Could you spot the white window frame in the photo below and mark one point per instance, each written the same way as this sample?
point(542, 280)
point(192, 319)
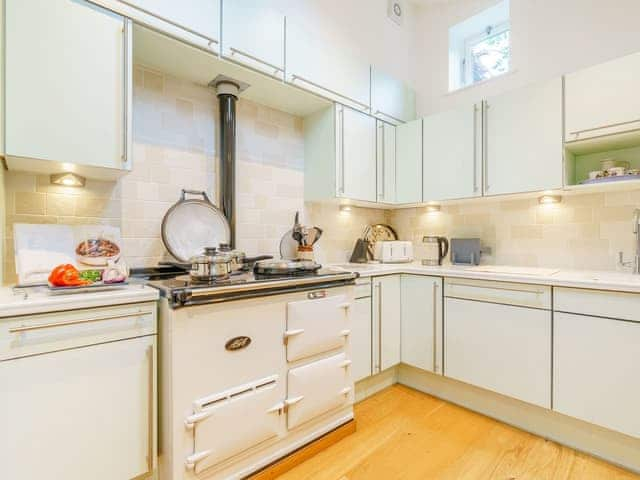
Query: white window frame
point(467, 61)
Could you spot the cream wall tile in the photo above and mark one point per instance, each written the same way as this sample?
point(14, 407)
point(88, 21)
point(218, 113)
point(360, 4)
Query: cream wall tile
point(29, 203)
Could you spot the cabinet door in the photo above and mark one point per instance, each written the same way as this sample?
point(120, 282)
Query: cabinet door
point(499, 347)
point(60, 412)
point(360, 339)
point(409, 162)
point(357, 161)
point(603, 99)
point(386, 314)
point(391, 99)
point(319, 63)
point(386, 162)
point(67, 83)
point(201, 17)
point(523, 140)
point(596, 366)
point(452, 154)
point(421, 322)
point(253, 34)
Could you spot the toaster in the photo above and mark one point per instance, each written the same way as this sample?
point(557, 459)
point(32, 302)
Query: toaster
point(394, 251)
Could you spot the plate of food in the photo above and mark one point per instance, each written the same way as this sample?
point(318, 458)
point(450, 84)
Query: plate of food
point(67, 278)
point(97, 251)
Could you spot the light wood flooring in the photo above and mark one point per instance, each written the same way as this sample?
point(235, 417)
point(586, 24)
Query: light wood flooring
point(405, 434)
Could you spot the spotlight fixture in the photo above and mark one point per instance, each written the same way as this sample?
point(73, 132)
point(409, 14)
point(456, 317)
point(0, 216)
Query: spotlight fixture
point(549, 199)
point(67, 179)
point(345, 208)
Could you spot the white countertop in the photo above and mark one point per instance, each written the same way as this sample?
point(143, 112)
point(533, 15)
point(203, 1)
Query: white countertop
point(597, 280)
point(14, 302)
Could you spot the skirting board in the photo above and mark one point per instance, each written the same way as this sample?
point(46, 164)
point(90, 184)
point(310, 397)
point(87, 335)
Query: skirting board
point(610, 446)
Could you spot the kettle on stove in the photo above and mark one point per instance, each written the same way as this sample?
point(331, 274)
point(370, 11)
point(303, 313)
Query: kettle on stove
point(436, 249)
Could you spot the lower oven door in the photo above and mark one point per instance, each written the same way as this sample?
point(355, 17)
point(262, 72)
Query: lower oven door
point(230, 422)
point(317, 388)
point(317, 325)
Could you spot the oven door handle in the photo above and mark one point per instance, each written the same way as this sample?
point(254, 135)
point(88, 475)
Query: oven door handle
point(191, 420)
point(292, 333)
point(192, 460)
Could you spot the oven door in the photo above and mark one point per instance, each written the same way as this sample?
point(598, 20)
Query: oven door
point(230, 422)
point(317, 388)
point(317, 325)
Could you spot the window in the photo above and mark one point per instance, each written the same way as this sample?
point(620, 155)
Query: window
point(480, 47)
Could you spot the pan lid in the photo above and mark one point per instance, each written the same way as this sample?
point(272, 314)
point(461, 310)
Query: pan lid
point(191, 225)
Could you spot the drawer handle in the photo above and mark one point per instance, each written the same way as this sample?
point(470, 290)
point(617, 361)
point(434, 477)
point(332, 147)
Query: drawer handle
point(191, 420)
point(535, 292)
point(29, 328)
point(191, 460)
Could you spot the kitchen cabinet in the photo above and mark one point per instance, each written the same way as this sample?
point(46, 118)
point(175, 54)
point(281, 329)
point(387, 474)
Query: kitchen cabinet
point(361, 331)
point(68, 87)
point(391, 99)
point(522, 143)
point(421, 322)
point(253, 35)
point(340, 155)
point(602, 99)
point(386, 318)
point(386, 161)
point(500, 347)
point(409, 162)
point(452, 158)
point(319, 63)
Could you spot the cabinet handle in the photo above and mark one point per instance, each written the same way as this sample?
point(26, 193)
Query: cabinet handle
point(342, 149)
point(382, 162)
point(363, 106)
point(292, 333)
point(29, 328)
point(395, 119)
point(610, 125)
point(475, 148)
point(191, 460)
point(379, 327)
point(435, 317)
point(237, 51)
point(127, 85)
point(191, 420)
point(485, 139)
point(152, 413)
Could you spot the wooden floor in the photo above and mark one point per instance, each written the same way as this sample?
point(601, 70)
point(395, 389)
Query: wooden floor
point(405, 434)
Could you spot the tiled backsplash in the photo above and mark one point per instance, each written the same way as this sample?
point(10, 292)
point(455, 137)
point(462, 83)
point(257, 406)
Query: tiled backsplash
point(583, 231)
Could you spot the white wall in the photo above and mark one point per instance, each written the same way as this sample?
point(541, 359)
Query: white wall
point(549, 38)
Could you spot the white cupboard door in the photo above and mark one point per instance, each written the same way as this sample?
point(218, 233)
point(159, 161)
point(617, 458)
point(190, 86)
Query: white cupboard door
point(360, 339)
point(319, 63)
point(499, 347)
point(253, 34)
point(198, 17)
point(386, 162)
point(452, 154)
point(523, 140)
point(603, 99)
point(596, 365)
point(357, 162)
point(391, 99)
point(421, 322)
point(317, 388)
point(67, 80)
point(386, 314)
point(72, 413)
point(317, 326)
point(409, 162)
point(233, 421)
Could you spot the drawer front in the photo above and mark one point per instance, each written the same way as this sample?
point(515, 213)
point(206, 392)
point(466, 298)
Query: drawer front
point(625, 306)
point(35, 334)
point(363, 290)
point(317, 388)
point(501, 348)
point(521, 294)
point(317, 325)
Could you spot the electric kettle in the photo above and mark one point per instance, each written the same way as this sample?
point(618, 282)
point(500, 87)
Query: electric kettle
point(436, 249)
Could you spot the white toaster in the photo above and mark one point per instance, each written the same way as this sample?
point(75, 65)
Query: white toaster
point(395, 251)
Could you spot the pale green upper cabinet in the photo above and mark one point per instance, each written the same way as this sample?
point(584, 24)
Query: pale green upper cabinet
point(391, 99)
point(386, 161)
point(195, 21)
point(523, 140)
point(452, 154)
point(409, 162)
point(68, 88)
point(318, 62)
point(253, 35)
point(340, 155)
point(603, 99)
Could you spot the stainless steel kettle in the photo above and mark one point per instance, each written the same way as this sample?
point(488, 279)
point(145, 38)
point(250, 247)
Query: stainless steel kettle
point(436, 249)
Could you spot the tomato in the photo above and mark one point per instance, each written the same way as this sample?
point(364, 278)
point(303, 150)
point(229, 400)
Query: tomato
point(66, 276)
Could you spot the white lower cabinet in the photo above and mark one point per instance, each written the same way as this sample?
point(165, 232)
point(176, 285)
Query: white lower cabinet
point(318, 387)
point(386, 322)
point(503, 348)
point(421, 322)
point(361, 333)
point(596, 365)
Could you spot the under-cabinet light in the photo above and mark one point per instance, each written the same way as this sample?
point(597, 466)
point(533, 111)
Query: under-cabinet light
point(345, 208)
point(68, 179)
point(432, 208)
point(549, 199)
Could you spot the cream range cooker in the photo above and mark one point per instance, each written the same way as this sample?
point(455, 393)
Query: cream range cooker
point(251, 370)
